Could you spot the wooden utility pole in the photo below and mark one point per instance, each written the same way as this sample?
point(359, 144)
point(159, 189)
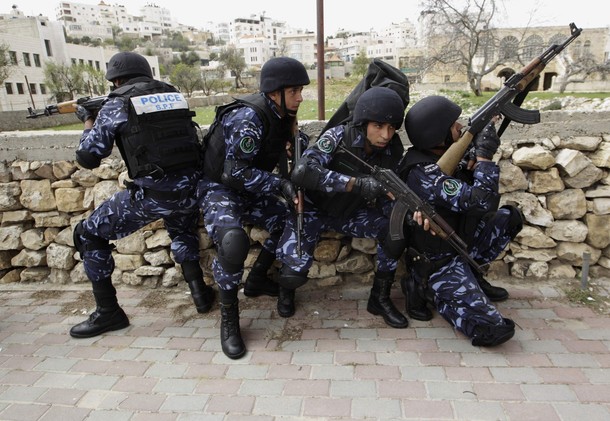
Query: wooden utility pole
point(320, 57)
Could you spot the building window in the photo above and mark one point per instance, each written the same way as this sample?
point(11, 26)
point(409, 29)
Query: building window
point(47, 45)
point(43, 89)
point(97, 64)
point(33, 88)
point(26, 60)
point(13, 57)
point(447, 78)
point(37, 60)
point(9, 88)
point(73, 61)
point(20, 90)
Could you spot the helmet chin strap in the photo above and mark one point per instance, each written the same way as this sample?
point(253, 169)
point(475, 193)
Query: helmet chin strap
point(285, 109)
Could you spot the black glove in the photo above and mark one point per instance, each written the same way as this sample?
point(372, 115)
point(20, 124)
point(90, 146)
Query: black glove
point(288, 190)
point(486, 142)
point(83, 114)
point(368, 188)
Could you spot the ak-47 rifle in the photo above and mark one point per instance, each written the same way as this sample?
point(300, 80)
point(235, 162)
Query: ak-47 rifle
point(515, 88)
point(93, 104)
point(301, 205)
point(407, 200)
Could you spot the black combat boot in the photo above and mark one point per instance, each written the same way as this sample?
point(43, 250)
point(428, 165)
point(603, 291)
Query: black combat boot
point(202, 294)
point(285, 302)
point(258, 283)
point(415, 302)
point(380, 303)
point(493, 293)
point(489, 335)
point(230, 335)
point(107, 316)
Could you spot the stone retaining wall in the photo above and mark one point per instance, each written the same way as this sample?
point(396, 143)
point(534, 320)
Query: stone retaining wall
point(558, 173)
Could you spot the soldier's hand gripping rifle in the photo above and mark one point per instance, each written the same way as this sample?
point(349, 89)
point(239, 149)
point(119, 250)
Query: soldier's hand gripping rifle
point(515, 88)
point(92, 104)
point(407, 200)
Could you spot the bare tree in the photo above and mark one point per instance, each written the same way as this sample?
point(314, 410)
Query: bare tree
point(579, 67)
point(5, 63)
point(465, 40)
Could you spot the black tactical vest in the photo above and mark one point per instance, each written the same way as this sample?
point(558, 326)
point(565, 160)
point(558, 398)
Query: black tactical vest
point(421, 240)
point(160, 136)
point(342, 204)
point(276, 132)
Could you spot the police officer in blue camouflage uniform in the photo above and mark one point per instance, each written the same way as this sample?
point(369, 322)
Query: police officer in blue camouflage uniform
point(342, 196)
point(246, 142)
point(152, 126)
point(468, 201)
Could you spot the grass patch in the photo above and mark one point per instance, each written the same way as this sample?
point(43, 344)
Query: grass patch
point(335, 92)
point(590, 297)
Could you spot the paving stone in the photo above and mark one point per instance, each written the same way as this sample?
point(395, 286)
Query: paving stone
point(346, 364)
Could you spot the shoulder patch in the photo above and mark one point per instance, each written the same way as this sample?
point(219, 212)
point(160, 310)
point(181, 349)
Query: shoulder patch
point(246, 144)
point(451, 187)
point(325, 145)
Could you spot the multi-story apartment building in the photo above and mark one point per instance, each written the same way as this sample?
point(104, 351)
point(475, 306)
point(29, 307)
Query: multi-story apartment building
point(40, 41)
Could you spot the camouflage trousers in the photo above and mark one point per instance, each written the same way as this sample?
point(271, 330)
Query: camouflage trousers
point(365, 222)
point(122, 215)
point(457, 295)
point(225, 208)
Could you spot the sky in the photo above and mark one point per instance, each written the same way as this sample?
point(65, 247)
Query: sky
point(347, 15)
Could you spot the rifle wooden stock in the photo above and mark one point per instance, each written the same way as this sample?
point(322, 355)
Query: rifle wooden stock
point(453, 155)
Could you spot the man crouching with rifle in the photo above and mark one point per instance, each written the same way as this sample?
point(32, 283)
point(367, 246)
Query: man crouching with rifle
point(469, 204)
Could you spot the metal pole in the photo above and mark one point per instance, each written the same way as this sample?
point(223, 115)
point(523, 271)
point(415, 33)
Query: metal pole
point(320, 58)
point(585, 270)
point(27, 84)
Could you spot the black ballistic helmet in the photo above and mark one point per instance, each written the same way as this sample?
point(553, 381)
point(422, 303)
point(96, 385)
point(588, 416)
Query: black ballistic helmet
point(428, 121)
point(379, 104)
point(281, 72)
point(127, 64)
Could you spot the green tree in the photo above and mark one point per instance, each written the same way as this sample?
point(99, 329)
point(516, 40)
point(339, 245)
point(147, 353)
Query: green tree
point(361, 64)
point(95, 80)
point(231, 59)
point(65, 82)
point(186, 78)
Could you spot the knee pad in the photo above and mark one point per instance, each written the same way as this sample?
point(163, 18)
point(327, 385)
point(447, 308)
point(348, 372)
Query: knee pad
point(292, 279)
point(490, 335)
point(233, 246)
point(515, 223)
point(84, 241)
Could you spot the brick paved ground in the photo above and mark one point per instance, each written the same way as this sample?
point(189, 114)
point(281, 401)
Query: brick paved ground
point(332, 360)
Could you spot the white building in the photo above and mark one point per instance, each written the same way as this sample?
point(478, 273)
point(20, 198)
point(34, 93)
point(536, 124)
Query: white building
point(39, 42)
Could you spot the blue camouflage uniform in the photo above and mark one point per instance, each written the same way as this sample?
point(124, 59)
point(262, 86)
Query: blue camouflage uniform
point(471, 209)
point(257, 201)
point(129, 210)
point(362, 220)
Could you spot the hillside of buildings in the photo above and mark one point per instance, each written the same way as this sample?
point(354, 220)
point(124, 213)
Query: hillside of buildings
point(88, 35)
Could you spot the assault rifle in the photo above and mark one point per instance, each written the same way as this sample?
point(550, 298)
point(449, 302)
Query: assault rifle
point(93, 104)
point(407, 200)
point(515, 88)
point(300, 206)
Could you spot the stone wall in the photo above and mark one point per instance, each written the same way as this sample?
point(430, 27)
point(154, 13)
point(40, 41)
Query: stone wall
point(557, 172)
